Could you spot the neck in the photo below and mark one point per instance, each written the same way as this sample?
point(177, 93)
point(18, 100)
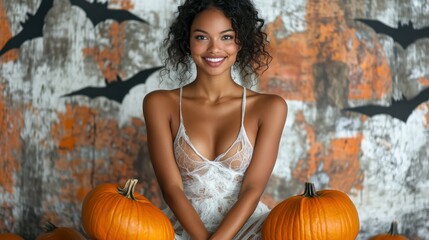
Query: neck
point(214, 88)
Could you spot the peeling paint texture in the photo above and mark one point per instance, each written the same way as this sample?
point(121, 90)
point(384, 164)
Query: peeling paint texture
point(54, 149)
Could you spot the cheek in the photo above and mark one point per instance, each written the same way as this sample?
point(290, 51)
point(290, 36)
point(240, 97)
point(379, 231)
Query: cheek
point(196, 52)
point(196, 47)
point(232, 48)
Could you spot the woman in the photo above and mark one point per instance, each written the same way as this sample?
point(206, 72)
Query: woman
point(213, 143)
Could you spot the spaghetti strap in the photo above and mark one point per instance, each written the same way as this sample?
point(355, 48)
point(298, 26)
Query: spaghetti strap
point(243, 107)
point(180, 105)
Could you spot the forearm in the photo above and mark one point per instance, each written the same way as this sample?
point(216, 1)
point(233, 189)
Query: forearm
point(186, 214)
point(237, 216)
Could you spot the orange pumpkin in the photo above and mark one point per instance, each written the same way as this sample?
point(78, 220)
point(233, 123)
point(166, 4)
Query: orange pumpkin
point(53, 232)
point(392, 234)
point(112, 212)
point(10, 236)
point(326, 214)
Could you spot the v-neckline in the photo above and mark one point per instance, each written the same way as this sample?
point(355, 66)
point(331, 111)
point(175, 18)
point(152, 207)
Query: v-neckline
point(219, 156)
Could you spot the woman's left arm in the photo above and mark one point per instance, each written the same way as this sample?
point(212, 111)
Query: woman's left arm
point(273, 112)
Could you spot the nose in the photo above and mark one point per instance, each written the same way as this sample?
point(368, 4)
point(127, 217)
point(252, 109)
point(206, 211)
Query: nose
point(215, 46)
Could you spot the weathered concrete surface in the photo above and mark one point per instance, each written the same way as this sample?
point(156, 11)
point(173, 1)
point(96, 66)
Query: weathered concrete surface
point(54, 149)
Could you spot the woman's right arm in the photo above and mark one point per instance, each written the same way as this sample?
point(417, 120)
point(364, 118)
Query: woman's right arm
point(160, 143)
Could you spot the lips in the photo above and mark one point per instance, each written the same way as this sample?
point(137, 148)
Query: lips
point(214, 61)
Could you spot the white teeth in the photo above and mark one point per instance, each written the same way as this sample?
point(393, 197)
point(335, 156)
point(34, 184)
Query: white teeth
point(214, 59)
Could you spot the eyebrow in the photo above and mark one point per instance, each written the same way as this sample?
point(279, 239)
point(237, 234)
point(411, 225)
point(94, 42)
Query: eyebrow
point(222, 32)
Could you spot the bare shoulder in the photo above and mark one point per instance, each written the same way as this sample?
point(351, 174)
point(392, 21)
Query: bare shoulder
point(159, 98)
point(160, 101)
point(269, 104)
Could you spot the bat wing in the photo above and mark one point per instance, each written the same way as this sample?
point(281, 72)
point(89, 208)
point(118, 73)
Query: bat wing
point(115, 91)
point(123, 88)
point(122, 15)
point(407, 35)
point(43, 9)
point(91, 92)
point(422, 97)
point(14, 42)
point(423, 32)
point(370, 110)
point(99, 12)
point(379, 27)
point(94, 11)
point(404, 35)
point(32, 28)
point(140, 77)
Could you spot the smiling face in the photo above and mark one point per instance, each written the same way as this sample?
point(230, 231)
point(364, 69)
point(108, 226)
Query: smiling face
point(213, 43)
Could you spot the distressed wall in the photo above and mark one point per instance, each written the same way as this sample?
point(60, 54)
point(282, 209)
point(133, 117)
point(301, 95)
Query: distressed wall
point(55, 148)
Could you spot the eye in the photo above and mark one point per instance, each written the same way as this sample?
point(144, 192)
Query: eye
point(228, 37)
point(200, 37)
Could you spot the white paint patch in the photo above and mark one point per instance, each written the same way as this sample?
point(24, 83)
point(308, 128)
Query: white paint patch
point(347, 127)
point(417, 59)
point(388, 149)
point(293, 14)
point(293, 144)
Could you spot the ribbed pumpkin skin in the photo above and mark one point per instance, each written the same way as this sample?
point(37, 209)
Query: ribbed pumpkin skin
point(392, 234)
point(10, 236)
point(107, 214)
point(331, 215)
point(61, 233)
point(388, 237)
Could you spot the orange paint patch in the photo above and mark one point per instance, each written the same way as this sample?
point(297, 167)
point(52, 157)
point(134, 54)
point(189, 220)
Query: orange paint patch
point(342, 164)
point(70, 130)
point(269, 201)
point(306, 168)
point(124, 4)
point(155, 193)
point(340, 160)
point(109, 59)
point(427, 116)
point(327, 38)
point(290, 71)
point(11, 122)
point(5, 35)
point(425, 106)
point(424, 82)
point(92, 150)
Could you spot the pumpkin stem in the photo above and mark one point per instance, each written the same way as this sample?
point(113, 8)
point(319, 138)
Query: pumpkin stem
point(128, 189)
point(309, 190)
point(393, 228)
point(49, 227)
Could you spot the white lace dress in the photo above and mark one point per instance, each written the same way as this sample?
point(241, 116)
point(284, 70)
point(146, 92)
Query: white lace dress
point(212, 186)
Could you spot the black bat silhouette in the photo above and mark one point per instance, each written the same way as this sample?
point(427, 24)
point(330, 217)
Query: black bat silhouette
point(31, 28)
point(400, 109)
point(98, 12)
point(405, 34)
point(116, 90)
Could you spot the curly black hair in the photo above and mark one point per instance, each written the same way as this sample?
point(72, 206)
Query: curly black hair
point(253, 57)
